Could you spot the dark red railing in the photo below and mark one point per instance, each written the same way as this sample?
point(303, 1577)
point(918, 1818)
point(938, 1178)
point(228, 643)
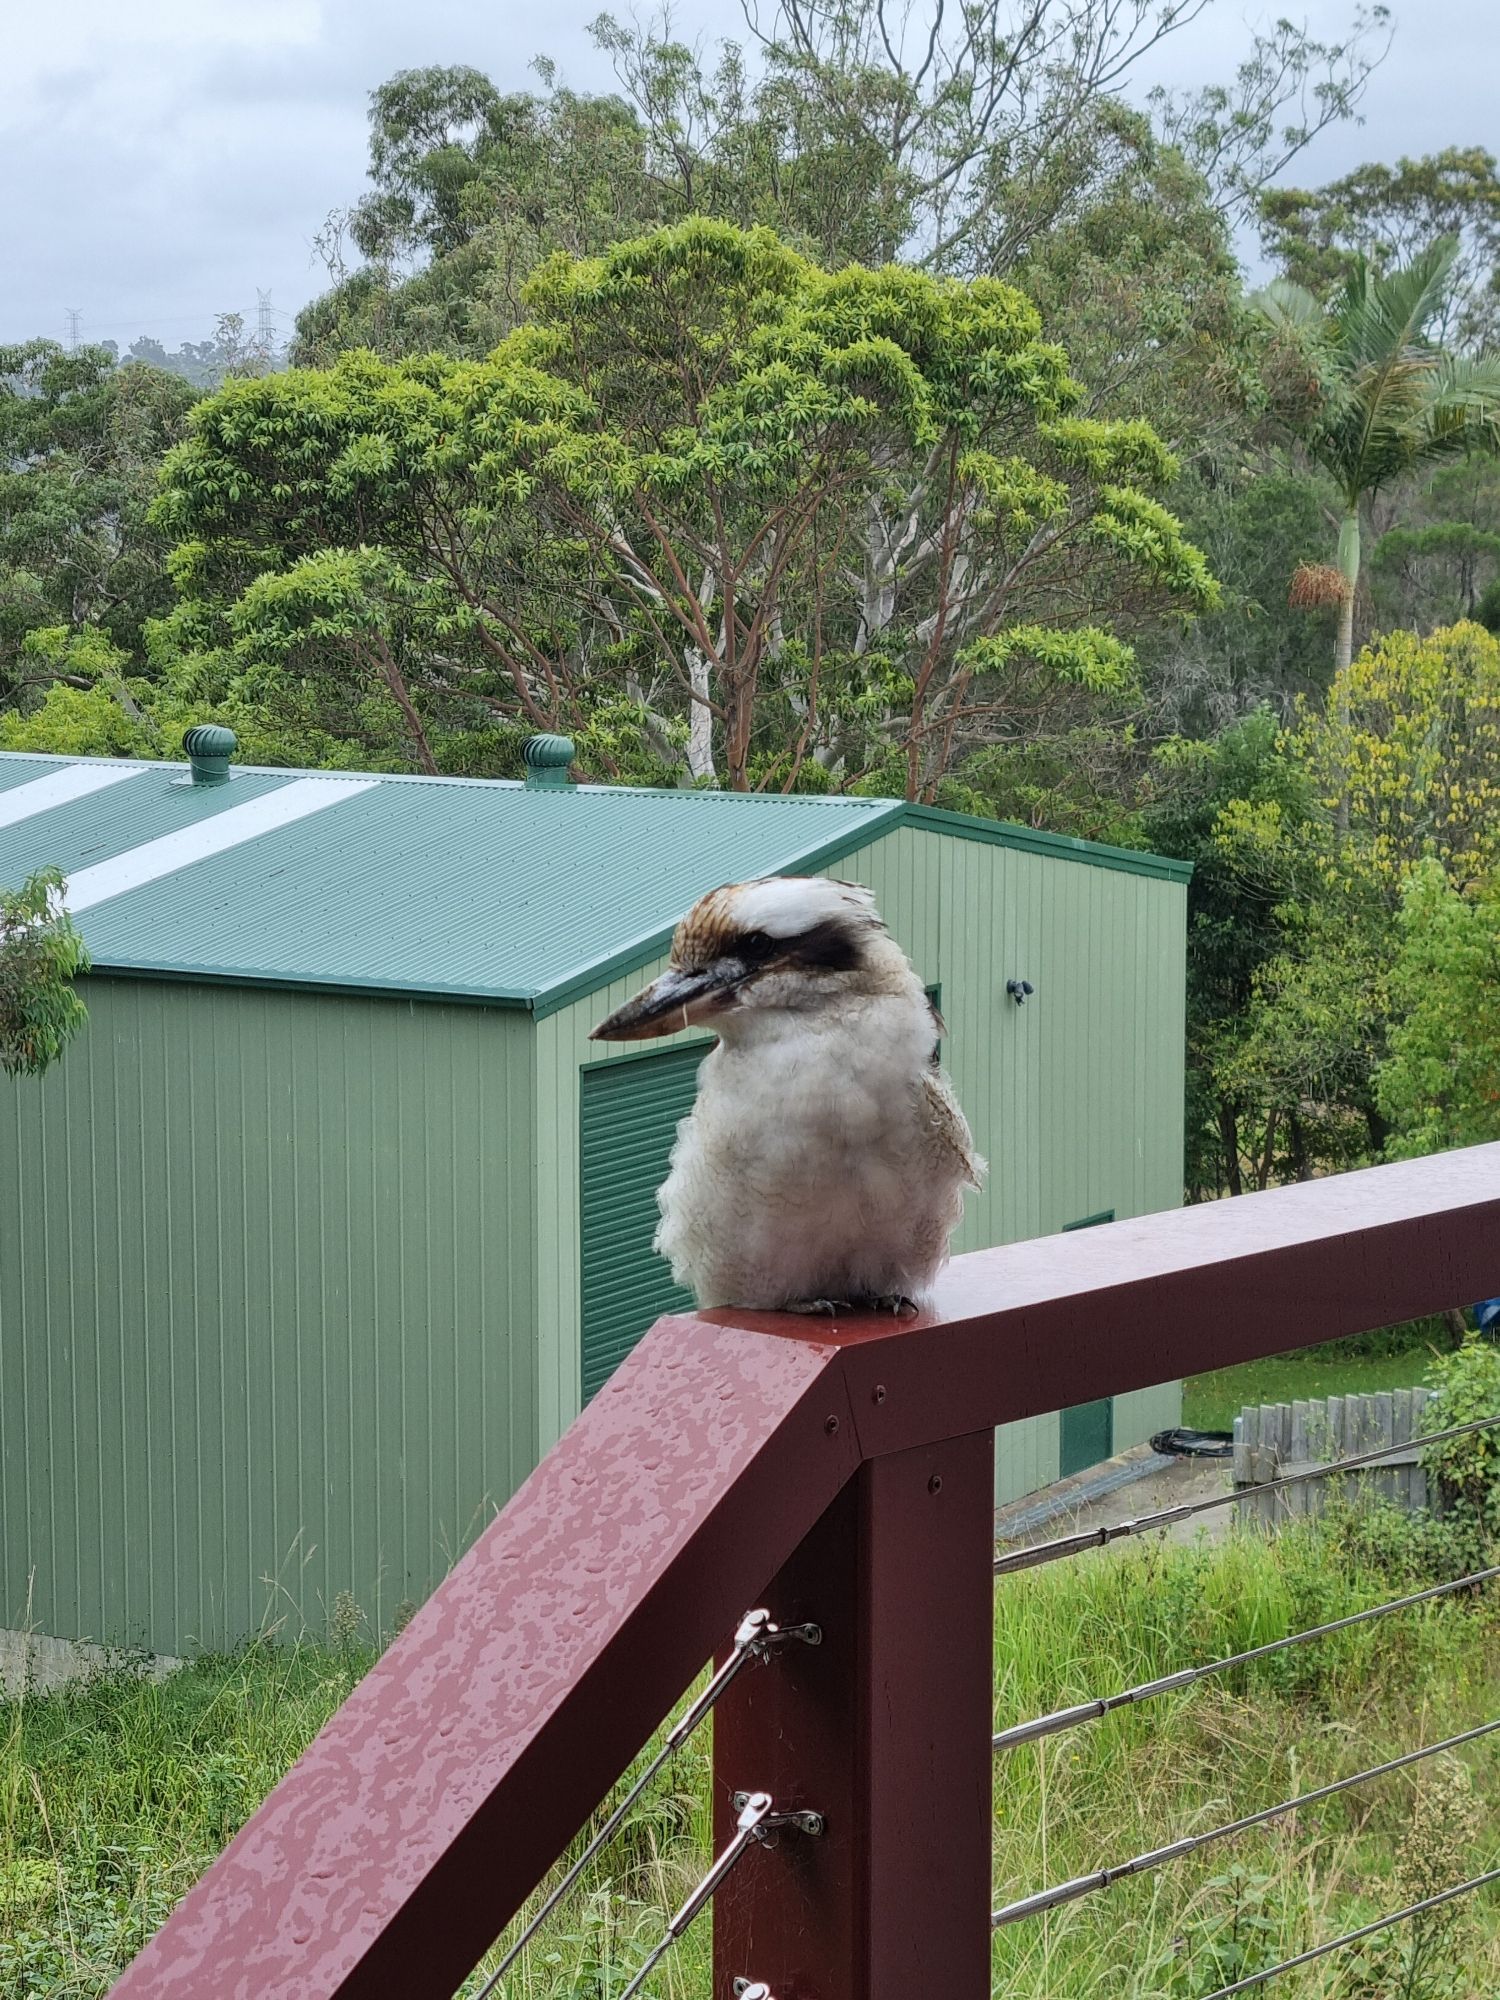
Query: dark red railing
point(839, 1472)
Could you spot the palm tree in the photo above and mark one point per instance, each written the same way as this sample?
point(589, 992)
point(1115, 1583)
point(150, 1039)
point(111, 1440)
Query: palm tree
point(1386, 398)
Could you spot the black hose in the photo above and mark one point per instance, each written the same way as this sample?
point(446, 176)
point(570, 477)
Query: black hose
point(1194, 1444)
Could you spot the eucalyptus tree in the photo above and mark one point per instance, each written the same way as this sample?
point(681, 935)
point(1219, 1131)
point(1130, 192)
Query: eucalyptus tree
point(956, 139)
point(710, 509)
point(81, 566)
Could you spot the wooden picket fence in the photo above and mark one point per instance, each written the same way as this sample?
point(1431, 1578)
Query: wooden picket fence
point(1272, 1440)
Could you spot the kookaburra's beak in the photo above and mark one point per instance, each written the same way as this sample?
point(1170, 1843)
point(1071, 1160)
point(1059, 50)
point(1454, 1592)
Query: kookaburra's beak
point(671, 1003)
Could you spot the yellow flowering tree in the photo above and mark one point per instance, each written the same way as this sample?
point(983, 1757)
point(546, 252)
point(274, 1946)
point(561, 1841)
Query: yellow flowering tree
point(1410, 734)
point(1409, 738)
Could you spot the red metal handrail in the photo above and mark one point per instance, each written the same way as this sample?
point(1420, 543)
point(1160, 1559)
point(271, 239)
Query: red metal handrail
point(837, 1471)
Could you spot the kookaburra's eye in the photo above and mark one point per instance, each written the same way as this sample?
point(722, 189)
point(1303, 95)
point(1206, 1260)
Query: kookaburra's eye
point(755, 947)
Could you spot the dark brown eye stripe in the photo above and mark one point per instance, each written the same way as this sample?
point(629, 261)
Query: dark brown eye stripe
point(827, 947)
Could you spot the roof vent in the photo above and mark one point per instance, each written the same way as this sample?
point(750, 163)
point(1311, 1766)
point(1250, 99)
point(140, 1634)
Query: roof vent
point(548, 760)
point(209, 748)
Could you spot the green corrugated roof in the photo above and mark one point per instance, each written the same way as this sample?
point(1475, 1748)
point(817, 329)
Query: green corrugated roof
point(443, 887)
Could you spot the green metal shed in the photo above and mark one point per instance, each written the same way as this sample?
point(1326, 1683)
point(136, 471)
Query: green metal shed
point(324, 1228)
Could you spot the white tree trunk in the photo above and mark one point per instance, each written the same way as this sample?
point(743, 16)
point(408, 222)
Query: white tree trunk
point(700, 746)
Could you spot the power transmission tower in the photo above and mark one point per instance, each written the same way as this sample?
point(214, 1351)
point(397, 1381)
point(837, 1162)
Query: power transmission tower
point(75, 321)
point(265, 330)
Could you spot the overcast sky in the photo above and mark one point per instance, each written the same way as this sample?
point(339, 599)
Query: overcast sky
point(165, 159)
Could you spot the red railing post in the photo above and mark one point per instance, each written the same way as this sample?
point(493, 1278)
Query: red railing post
point(884, 1729)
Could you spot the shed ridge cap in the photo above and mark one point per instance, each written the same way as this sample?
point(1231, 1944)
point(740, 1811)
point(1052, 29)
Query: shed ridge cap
point(1037, 840)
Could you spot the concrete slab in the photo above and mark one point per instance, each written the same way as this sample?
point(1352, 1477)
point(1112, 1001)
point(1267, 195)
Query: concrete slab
point(31, 1663)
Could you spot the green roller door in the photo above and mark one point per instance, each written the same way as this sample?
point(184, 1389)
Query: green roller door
point(1088, 1429)
point(630, 1113)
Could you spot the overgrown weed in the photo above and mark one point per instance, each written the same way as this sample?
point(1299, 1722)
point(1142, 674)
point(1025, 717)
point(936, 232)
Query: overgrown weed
point(116, 1792)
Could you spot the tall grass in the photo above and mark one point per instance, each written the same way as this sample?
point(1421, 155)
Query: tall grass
point(116, 1793)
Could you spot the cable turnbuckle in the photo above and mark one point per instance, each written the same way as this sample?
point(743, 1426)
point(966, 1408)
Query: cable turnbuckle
point(758, 1633)
point(769, 1823)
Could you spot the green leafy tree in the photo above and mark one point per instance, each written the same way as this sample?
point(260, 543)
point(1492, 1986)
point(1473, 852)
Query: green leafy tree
point(1440, 1085)
point(710, 507)
point(41, 954)
point(958, 142)
point(471, 190)
point(1388, 215)
point(1243, 134)
point(1256, 524)
point(1237, 807)
point(1408, 744)
point(82, 569)
point(1436, 565)
point(1371, 395)
point(1408, 741)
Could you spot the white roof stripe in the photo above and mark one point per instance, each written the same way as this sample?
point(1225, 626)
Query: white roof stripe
point(73, 781)
point(164, 856)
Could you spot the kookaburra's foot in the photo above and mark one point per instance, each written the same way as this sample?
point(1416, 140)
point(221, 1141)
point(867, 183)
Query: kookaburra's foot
point(884, 1302)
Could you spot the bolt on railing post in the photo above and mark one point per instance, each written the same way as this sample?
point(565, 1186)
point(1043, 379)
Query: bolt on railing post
point(884, 1729)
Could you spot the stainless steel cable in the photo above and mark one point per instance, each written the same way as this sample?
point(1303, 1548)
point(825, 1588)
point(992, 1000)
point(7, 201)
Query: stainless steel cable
point(756, 1637)
point(1090, 1711)
point(1354, 1937)
point(753, 1816)
point(1166, 1517)
point(1157, 1857)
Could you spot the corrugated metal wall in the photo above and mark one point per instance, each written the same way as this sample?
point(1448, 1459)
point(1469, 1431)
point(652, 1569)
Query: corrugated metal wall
point(1076, 1098)
point(563, 1049)
point(265, 1308)
point(630, 1114)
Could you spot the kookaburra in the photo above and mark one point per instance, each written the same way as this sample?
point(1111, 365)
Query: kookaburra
point(825, 1160)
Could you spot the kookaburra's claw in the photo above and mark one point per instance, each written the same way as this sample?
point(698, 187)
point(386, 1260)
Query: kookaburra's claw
point(892, 1302)
point(885, 1302)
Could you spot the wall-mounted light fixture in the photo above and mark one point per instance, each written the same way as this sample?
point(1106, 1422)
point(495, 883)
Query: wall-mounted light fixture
point(1018, 990)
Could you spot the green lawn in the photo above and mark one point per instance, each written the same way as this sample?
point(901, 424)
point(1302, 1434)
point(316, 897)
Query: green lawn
point(115, 1794)
point(1212, 1402)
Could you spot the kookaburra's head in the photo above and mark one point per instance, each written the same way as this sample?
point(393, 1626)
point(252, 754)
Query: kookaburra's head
point(788, 942)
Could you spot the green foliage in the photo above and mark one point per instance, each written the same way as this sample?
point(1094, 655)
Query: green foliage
point(1236, 808)
point(1398, 762)
point(1243, 134)
point(1369, 390)
point(40, 956)
point(1380, 394)
point(1256, 525)
point(1466, 1470)
point(1408, 745)
point(1386, 215)
point(1440, 1085)
point(710, 509)
point(1437, 566)
point(827, 126)
point(81, 442)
